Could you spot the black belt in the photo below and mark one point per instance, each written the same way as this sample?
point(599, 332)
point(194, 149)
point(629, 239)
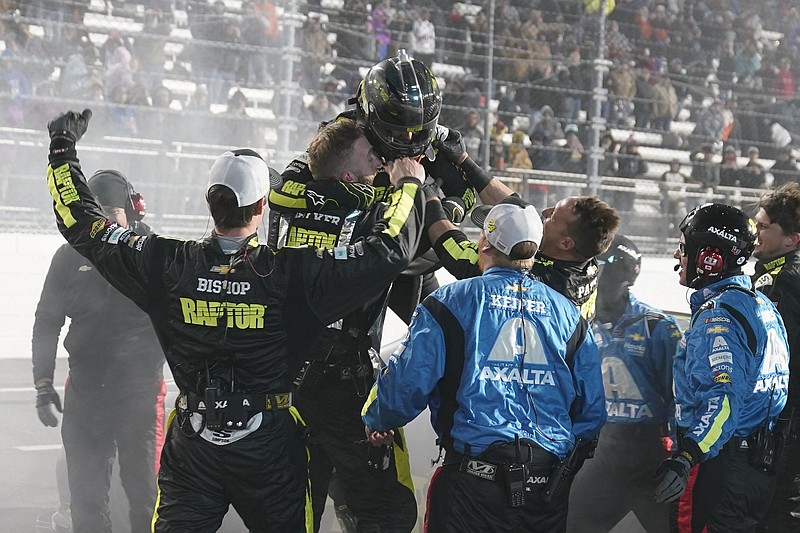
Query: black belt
point(250, 402)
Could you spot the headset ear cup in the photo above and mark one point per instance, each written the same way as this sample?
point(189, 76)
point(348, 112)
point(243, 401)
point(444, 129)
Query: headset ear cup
point(710, 261)
point(138, 207)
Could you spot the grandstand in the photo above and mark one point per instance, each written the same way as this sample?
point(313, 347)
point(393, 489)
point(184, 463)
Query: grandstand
point(684, 75)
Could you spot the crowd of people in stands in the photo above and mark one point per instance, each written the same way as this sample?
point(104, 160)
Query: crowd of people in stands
point(728, 67)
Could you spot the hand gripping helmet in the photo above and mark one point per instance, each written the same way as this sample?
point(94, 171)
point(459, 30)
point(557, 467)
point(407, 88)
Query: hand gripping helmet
point(399, 96)
point(719, 241)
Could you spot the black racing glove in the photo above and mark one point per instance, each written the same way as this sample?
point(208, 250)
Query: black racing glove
point(67, 129)
point(452, 147)
point(455, 208)
point(46, 396)
point(675, 475)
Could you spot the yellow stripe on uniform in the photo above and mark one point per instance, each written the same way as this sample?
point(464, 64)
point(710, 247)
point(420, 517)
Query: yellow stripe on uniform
point(400, 208)
point(59, 181)
point(716, 427)
point(463, 250)
point(373, 395)
point(158, 487)
point(289, 201)
point(308, 510)
point(402, 463)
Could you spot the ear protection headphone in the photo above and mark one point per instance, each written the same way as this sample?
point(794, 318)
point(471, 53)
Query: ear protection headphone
point(136, 207)
point(709, 261)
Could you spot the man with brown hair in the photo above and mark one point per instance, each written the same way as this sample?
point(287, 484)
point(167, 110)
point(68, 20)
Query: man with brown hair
point(576, 229)
point(777, 274)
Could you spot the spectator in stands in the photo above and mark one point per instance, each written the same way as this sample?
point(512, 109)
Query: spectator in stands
point(711, 122)
point(149, 45)
point(785, 168)
point(705, 171)
point(95, 92)
point(632, 166)
point(319, 109)
point(380, 20)
point(617, 45)
point(572, 158)
point(665, 102)
point(423, 38)
point(237, 129)
point(748, 63)
point(547, 126)
point(609, 165)
point(108, 49)
point(753, 173)
point(784, 84)
point(517, 152)
point(122, 118)
point(729, 170)
point(315, 43)
point(673, 195)
point(472, 133)
point(622, 90)
point(497, 156)
point(259, 28)
point(643, 108)
point(119, 71)
point(226, 57)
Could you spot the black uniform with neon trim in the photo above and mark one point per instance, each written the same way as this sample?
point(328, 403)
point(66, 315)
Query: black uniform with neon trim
point(230, 319)
point(334, 386)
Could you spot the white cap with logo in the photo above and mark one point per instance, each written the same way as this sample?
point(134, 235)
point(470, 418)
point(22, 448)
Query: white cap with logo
point(509, 223)
point(244, 173)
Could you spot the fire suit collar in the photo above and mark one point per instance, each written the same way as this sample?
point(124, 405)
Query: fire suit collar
point(213, 240)
point(701, 296)
point(791, 257)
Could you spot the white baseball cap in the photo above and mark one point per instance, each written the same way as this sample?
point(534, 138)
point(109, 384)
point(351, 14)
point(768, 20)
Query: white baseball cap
point(245, 173)
point(509, 223)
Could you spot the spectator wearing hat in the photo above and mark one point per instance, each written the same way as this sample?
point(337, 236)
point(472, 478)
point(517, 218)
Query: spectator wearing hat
point(730, 173)
point(572, 158)
point(423, 38)
point(753, 173)
point(517, 153)
point(785, 168)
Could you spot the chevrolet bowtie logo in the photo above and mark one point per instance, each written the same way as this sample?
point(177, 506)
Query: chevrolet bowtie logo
point(717, 329)
point(516, 288)
point(636, 337)
point(221, 269)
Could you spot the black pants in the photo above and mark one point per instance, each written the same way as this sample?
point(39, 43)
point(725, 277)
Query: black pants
point(98, 424)
point(787, 495)
point(725, 495)
point(382, 501)
point(618, 480)
point(459, 502)
point(263, 476)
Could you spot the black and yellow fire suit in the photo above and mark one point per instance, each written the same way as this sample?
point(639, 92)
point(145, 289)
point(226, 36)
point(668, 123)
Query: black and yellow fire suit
point(301, 192)
point(114, 397)
point(575, 280)
point(779, 279)
point(225, 323)
point(333, 388)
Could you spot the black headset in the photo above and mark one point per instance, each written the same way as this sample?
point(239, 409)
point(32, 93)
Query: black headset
point(136, 207)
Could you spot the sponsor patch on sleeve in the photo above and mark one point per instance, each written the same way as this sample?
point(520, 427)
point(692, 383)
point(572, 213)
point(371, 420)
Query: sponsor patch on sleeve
point(720, 358)
point(722, 377)
point(340, 252)
point(717, 330)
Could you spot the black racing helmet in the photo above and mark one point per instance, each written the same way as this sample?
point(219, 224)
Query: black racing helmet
point(398, 96)
point(719, 241)
point(622, 262)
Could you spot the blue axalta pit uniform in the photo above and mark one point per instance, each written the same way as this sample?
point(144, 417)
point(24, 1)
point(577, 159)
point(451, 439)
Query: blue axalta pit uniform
point(722, 388)
point(494, 357)
point(637, 353)
point(731, 375)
